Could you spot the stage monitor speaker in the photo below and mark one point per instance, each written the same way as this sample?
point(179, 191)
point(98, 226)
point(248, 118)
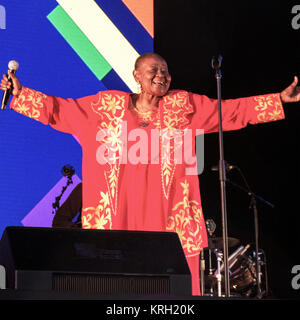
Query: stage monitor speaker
point(104, 262)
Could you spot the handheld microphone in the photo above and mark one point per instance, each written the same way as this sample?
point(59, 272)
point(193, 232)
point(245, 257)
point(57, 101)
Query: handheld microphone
point(13, 67)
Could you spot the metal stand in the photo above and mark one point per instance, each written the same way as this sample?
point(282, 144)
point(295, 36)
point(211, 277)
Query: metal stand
point(67, 171)
point(257, 263)
point(216, 65)
point(256, 227)
point(211, 228)
point(218, 274)
point(202, 270)
point(210, 272)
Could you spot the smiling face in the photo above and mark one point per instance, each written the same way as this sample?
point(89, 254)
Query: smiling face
point(153, 75)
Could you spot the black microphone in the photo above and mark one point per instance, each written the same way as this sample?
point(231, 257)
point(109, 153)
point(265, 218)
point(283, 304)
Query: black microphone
point(228, 167)
point(68, 171)
point(216, 62)
point(13, 67)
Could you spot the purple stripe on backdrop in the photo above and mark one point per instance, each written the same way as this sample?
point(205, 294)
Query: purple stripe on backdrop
point(41, 215)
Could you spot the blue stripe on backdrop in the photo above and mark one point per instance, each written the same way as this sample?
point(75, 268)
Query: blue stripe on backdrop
point(127, 23)
point(112, 80)
point(33, 154)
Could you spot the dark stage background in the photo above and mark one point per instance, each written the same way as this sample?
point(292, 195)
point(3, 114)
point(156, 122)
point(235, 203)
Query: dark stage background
point(260, 50)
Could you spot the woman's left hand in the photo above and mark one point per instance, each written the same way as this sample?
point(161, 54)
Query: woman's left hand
point(291, 93)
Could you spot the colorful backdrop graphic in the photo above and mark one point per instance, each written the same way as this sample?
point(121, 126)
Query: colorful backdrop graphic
point(67, 48)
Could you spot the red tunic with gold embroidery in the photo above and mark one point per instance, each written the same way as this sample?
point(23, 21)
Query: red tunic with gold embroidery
point(132, 179)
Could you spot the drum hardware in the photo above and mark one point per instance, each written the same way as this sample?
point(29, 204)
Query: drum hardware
point(215, 245)
point(217, 242)
point(214, 279)
point(243, 275)
point(258, 267)
point(233, 258)
point(241, 263)
point(242, 267)
point(202, 270)
point(242, 271)
point(218, 275)
point(211, 228)
point(263, 276)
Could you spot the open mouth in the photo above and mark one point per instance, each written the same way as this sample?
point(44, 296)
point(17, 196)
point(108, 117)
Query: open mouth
point(161, 83)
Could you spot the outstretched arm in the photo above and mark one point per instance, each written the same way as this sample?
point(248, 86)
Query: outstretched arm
point(236, 113)
point(66, 115)
point(291, 93)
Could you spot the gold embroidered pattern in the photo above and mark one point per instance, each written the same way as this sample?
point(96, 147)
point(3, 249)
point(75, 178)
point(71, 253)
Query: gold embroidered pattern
point(269, 108)
point(31, 97)
point(108, 106)
point(111, 109)
point(185, 219)
point(147, 117)
point(176, 108)
point(170, 142)
point(98, 217)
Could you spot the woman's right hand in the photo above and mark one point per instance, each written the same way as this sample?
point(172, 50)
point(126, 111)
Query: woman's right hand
point(6, 84)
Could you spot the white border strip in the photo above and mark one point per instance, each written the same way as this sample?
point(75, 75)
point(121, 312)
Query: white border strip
point(105, 36)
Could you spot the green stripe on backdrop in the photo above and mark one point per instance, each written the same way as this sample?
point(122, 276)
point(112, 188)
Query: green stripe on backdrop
point(79, 42)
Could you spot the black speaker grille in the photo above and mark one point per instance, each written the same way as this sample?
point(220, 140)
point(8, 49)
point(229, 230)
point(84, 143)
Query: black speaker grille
point(108, 284)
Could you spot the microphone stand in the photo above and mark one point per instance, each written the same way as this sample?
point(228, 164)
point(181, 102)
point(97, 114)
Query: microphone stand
point(256, 228)
point(216, 65)
point(67, 171)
